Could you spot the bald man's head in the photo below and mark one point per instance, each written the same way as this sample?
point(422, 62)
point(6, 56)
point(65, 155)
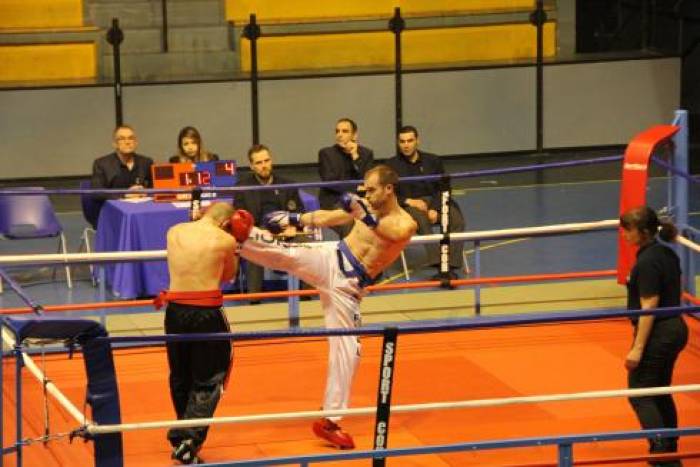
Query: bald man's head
point(219, 212)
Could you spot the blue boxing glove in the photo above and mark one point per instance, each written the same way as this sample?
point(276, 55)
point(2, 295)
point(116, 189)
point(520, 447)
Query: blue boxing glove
point(277, 221)
point(359, 209)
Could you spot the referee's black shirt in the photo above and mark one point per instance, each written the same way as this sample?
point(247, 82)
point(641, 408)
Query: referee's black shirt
point(657, 272)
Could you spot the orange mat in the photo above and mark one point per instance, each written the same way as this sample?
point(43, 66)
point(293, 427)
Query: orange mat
point(285, 376)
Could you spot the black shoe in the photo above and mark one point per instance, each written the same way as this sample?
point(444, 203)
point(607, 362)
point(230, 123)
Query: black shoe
point(254, 302)
point(452, 275)
point(186, 453)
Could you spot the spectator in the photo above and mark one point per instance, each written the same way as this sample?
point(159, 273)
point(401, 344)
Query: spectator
point(422, 199)
point(190, 147)
point(345, 160)
point(123, 168)
point(262, 202)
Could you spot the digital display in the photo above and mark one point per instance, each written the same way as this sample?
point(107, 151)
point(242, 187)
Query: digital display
point(195, 178)
point(224, 168)
point(163, 172)
point(222, 173)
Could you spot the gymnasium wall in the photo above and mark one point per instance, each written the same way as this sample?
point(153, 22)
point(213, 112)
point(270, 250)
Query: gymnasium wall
point(59, 131)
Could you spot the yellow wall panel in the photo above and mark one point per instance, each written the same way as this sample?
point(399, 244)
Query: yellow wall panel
point(446, 7)
point(475, 43)
point(320, 10)
point(316, 51)
point(41, 13)
point(36, 62)
point(424, 46)
point(304, 10)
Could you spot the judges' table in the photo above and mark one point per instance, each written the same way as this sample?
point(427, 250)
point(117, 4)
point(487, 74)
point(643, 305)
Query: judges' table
point(136, 226)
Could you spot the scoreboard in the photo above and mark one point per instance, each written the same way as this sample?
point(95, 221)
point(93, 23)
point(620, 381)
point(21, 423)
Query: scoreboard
point(187, 175)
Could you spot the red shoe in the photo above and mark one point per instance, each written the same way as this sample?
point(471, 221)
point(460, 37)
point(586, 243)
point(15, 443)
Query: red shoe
point(331, 432)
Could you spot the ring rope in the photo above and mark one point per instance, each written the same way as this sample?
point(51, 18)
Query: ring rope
point(310, 292)
point(121, 256)
point(675, 171)
point(320, 184)
point(688, 243)
point(554, 229)
point(458, 324)
point(45, 382)
point(51, 388)
point(93, 428)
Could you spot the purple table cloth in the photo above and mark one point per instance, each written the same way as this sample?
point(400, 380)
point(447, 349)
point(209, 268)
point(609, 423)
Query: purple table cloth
point(125, 226)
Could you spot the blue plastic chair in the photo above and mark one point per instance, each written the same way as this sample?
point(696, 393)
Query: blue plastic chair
point(310, 202)
point(31, 216)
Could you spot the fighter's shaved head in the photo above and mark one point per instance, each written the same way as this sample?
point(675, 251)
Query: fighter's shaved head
point(219, 211)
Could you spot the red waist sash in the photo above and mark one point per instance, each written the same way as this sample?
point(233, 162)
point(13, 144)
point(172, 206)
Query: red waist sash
point(211, 298)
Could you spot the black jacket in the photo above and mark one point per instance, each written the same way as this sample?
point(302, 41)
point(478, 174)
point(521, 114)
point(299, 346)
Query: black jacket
point(334, 165)
point(427, 164)
point(109, 172)
point(252, 200)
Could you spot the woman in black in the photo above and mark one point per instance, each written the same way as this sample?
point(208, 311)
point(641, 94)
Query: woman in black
point(654, 282)
point(190, 148)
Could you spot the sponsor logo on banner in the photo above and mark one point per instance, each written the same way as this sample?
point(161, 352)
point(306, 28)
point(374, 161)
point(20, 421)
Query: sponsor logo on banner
point(632, 166)
point(385, 386)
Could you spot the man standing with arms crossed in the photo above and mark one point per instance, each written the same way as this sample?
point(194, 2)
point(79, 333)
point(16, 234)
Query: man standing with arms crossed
point(201, 255)
point(340, 271)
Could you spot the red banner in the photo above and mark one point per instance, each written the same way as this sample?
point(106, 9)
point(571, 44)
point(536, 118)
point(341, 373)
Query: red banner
point(634, 185)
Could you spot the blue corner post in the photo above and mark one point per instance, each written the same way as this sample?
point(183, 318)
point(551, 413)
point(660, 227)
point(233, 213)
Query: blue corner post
point(680, 194)
point(102, 389)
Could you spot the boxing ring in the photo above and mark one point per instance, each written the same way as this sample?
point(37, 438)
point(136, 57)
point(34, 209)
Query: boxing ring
point(383, 395)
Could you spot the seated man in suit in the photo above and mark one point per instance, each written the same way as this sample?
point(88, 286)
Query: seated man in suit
point(122, 168)
point(422, 199)
point(261, 202)
point(345, 160)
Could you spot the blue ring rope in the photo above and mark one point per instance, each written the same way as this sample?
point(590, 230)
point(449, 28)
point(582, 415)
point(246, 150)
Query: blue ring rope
point(205, 189)
point(413, 328)
point(662, 163)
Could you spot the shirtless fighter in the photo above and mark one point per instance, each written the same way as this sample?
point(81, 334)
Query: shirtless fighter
point(201, 255)
point(340, 271)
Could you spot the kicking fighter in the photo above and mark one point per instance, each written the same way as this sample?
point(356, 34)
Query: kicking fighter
point(340, 271)
point(201, 255)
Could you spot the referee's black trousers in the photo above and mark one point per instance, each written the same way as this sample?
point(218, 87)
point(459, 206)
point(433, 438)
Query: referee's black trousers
point(668, 337)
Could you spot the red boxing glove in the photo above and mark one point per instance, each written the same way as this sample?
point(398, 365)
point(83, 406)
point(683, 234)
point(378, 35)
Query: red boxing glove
point(241, 224)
